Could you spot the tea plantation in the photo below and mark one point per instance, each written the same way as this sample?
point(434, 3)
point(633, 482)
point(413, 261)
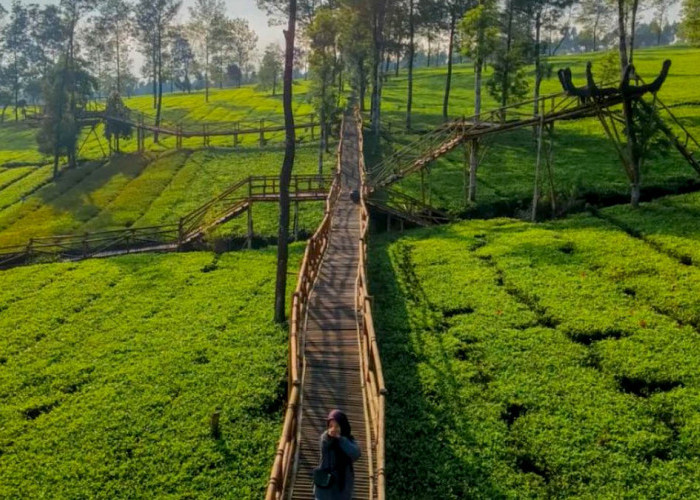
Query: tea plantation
point(141, 190)
point(111, 369)
point(543, 361)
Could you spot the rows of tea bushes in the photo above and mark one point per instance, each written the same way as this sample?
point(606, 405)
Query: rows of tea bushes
point(110, 371)
point(140, 191)
point(670, 223)
point(540, 361)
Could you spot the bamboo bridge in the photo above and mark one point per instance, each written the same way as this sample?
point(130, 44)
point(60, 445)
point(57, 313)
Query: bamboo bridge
point(333, 355)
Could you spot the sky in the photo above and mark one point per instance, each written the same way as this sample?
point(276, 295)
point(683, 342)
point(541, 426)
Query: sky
point(246, 9)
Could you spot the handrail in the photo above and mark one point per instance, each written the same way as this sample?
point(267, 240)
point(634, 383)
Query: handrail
point(372, 373)
point(310, 266)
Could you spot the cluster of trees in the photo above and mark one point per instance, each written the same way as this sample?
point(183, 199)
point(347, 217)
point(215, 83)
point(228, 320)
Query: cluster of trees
point(103, 35)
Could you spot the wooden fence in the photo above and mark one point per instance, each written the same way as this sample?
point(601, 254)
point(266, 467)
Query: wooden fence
point(311, 263)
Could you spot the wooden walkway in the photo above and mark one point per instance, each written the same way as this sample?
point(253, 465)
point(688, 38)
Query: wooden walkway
point(332, 377)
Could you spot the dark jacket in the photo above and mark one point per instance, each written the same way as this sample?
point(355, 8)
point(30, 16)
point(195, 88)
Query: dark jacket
point(329, 447)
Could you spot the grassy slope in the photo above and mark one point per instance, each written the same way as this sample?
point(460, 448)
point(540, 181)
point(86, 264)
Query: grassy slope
point(142, 191)
point(544, 365)
point(111, 369)
point(248, 104)
point(586, 165)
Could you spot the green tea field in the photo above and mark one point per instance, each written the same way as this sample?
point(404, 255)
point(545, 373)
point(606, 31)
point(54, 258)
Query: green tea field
point(139, 191)
point(111, 369)
point(557, 360)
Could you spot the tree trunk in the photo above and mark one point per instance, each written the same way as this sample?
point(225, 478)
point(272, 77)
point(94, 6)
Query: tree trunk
point(506, 69)
point(633, 158)
point(622, 36)
point(474, 149)
point(448, 83)
point(633, 28)
point(206, 74)
point(321, 146)
point(55, 162)
point(363, 84)
point(378, 27)
point(160, 88)
point(119, 72)
point(154, 61)
point(411, 55)
point(429, 48)
point(595, 31)
point(287, 165)
point(538, 69)
point(473, 166)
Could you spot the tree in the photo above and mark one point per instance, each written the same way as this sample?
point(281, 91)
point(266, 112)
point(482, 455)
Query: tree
point(112, 25)
point(16, 46)
point(205, 28)
point(5, 102)
point(323, 34)
point(479, 34)
point(117, 125)
point(455, 11)
point(355, 42)
point(542, 11)
point(270, 68)
point(287, 166)
point(690, 25)
point(243, 40)
point(595, 17)
point(67, 89)
point(182, 59)
point(153, 18)
point(508, 82)
point(234, 73)
point(48, 39)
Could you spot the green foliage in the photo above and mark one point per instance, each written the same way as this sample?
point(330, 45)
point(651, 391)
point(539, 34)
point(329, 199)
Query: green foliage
point(111, 369)
point(608, 71)
point(479, 30)
point(533, 361)
point(690, 23)
point(66, 90)
point(271, 68)
point(508, 83)
point(115, 108)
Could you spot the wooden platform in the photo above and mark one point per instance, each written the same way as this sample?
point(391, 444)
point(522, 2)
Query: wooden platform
point(331, 376)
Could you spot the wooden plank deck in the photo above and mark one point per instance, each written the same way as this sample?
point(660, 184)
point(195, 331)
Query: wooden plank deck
point(331, 376)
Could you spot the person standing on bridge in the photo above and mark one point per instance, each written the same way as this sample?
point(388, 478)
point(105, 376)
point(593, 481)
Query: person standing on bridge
point(334, 478)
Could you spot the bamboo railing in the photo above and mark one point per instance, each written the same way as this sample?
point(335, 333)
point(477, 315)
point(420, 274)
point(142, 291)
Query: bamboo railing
point(310, 266)
point(371, 365)
point(444, 138)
